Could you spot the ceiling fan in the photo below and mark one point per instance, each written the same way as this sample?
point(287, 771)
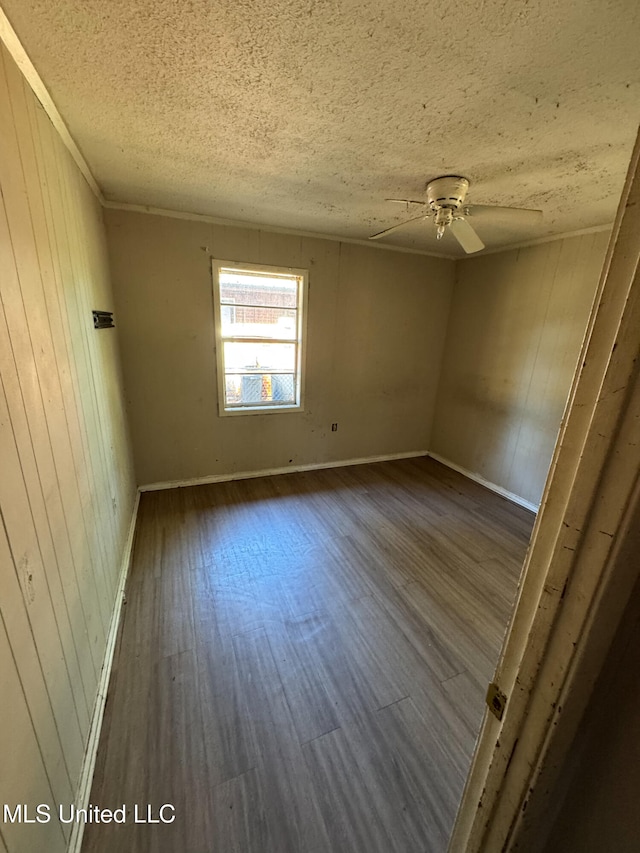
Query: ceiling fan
point(446, 205)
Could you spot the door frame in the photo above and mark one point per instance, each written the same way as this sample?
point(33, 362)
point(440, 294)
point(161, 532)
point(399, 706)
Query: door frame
point(577, 575)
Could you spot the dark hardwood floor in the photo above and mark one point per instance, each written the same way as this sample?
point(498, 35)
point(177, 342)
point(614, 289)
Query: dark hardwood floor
point(302, 661)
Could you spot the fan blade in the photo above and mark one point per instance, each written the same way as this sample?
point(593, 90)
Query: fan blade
point(406, 201)
point(466, 236)
point(518, 215)
point(400, 225)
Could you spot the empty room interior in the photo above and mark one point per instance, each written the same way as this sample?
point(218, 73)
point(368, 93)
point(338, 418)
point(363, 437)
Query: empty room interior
point(293, 301)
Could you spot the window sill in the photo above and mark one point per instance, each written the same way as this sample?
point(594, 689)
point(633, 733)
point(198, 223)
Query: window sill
point(259, 410)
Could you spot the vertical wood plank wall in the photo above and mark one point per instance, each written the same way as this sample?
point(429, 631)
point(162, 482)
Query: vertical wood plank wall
point(66, 477)
point(515, 328)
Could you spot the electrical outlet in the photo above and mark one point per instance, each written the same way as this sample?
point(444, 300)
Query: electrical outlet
point(334, 427)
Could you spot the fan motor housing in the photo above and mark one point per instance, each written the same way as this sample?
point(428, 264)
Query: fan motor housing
point(448, 191)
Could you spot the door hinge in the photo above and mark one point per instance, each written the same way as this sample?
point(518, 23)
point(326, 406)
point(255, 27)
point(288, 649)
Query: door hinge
point(496, 700)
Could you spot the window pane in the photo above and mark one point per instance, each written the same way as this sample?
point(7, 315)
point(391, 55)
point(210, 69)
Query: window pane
point(238, 288)
point(259, 357)
point(255, 389)
point(258, 322)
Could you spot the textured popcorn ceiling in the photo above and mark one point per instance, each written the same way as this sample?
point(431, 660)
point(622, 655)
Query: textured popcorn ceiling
point(306, 114)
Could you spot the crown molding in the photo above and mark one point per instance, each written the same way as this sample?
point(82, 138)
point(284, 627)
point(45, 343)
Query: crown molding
point(256, 226)
point(14, 46)
point(550, 238)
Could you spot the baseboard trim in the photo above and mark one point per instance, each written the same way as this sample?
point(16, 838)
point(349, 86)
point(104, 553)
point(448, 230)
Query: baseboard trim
point(89, 763)
point(510, 496)
point(273, 472)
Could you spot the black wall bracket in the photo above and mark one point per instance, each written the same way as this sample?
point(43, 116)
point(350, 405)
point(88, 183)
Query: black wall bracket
point(103, 320)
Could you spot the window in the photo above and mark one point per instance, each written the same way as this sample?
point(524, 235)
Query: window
point(260, 314)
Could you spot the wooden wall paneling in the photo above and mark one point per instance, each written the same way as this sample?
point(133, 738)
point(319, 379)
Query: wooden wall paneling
point(90, 551)
point(71, 285)
point(516, 352)
point(69, 624)
point(536, 309)
point(80, 300)
point(162, 283)
point(35, 596)
point(97, 254)
point(234, 244)
point(81, 211)
point(26, 404)
point(530, 438)
point(556, 361)
point(24, 778)
point(92, 265)
point(107, 366)
point(31, 335)
point(571, 300)
point(280, 250)
point(323, 260)
point(513, 339)
point(66, 484)
point(86, 475)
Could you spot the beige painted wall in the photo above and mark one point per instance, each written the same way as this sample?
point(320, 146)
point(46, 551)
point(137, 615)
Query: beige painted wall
point(516, 324)
point(376, 327)
point(66, 484)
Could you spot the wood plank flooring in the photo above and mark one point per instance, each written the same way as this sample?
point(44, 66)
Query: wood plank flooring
point(302, 661)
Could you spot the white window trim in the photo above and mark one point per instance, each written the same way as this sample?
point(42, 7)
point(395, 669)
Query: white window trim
point(303, 296)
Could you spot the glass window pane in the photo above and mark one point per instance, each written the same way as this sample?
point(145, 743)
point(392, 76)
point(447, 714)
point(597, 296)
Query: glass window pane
point(257, 389)
point(238, 288)
point(259, 357)
point(258, 322)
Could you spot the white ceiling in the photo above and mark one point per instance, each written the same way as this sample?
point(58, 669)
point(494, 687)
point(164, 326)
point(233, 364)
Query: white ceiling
point(307, 114)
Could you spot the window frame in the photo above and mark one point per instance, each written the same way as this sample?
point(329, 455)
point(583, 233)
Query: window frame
point(300, 340)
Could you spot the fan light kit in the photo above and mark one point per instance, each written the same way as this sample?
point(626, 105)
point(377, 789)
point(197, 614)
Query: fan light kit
point(446, 203)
